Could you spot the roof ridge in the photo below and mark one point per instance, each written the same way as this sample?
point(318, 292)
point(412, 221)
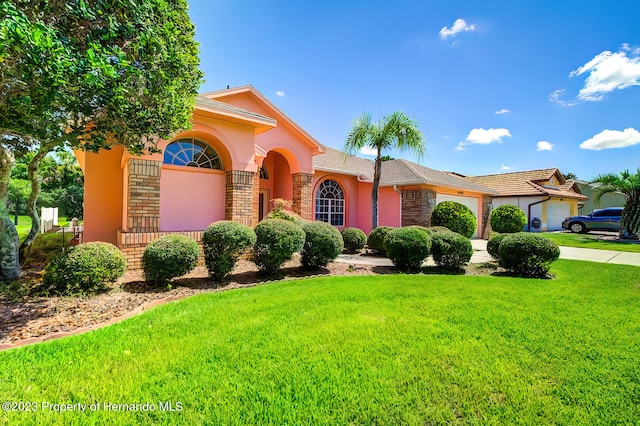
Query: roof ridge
point(513, 173)
point(537, 187)
point(409, 165)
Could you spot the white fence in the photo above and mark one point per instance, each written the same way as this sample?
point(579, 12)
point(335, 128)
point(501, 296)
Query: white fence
point(48, 218)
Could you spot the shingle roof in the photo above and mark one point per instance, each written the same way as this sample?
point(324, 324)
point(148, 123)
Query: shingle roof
point(394, 172)
point(524, 184)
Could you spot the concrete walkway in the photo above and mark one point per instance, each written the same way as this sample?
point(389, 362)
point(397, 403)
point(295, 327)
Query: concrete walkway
point(480, 255)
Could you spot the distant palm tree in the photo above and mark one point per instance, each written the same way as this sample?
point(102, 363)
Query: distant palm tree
point(627, 184)
point(396, 130)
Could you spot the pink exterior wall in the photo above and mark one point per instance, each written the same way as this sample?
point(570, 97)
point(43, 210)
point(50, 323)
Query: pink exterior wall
point(280, 176)
point(388, 207)
point(190, 198)
point(349, 185)
point(103, 195)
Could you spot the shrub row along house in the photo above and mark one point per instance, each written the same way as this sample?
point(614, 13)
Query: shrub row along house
point(241, 153)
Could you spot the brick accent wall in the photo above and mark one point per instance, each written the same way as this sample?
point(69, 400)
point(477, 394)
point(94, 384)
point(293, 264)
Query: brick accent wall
point(239, 203)
point(133, 245)
point(256, 198)
point(302, 196)
point(416, 209)
point(143, 195)
point(486, 217)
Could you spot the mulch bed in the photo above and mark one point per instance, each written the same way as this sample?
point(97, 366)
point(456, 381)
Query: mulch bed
point(37, 316)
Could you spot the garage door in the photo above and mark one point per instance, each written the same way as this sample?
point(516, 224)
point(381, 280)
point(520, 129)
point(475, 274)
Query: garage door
point(556, 212)
point(470, 202)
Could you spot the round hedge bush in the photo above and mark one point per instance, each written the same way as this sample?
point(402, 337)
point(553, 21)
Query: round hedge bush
point(169, 257)
point(322, 244)
point(222, 243)
point(456, 217)
point(276, 241)
point(493, 245)
point(84, 269)
point(508, 219)
point(375, 241)
point(354, 239)
point(436, 229)
point(527, 255)
point(451, 250)
point(407, 248)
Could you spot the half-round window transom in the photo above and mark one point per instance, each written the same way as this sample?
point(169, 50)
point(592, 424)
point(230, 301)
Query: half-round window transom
point(192, 153)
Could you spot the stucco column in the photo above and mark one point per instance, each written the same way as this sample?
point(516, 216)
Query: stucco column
point(143, 195)
point(239, 203)
point(302, 194)
point(417, 206)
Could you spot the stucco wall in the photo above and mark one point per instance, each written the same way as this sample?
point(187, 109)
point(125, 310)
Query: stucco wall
point(523, 203)
point(190, 198)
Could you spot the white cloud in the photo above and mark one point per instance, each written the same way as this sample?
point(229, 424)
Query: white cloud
point(458, 26)
point(609, 71)
point(505, 168)
point(556, 97)
point(612, 139)
point(367, 150)
point(280, 93)
point(544, 146)
point(484, 137)
point(503, 111)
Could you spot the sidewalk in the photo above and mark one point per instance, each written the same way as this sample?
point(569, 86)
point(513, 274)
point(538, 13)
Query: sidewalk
point(480, 255)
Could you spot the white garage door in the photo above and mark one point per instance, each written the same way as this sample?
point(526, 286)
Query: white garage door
point(556, 212)
point(470, 202)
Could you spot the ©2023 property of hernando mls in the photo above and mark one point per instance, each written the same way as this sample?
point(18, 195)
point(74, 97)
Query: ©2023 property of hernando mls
point(241, 153)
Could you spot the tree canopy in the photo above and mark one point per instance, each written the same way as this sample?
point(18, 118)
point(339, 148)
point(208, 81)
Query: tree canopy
point(91, 74)
point(628, 184)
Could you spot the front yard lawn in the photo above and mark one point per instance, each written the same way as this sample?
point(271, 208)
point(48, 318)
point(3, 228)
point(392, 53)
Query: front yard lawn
point(385, 349)
point(591, 241)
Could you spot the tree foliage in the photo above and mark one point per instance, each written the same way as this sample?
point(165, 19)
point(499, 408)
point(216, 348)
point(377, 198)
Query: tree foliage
point(627, 184)
point(92, 73)
point(396, 130)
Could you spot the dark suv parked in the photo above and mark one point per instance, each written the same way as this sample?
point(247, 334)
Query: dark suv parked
point(600, 220)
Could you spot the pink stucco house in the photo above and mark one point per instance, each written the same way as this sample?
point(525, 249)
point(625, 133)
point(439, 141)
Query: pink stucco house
point(241, 153)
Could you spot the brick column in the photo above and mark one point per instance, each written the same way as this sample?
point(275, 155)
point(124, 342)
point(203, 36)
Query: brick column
point(239, 205)
point(143, 195)
point(256, 197)
point(416, 207)
point(302, 194)
point(486, 217)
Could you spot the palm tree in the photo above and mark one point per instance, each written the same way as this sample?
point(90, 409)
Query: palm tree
point(627, 184)
point(396, 130)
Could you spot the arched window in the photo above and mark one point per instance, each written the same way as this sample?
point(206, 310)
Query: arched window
point(264, 173)
point(330, 203)
point(192, 153)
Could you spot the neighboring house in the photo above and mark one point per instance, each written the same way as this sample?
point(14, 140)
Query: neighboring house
point(241, 153)
point(613, 199)
point(544, 196)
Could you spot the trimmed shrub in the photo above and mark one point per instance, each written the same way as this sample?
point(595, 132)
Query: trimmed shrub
point(508, 219)
point(528, 255)
point(354, 239)
point(375, 241)
point(169, 257)
point(407, 248)
point(223, 241)
point(420, 228)
point(322, 244)
point(84, 269)
point(456, 217)
point(283, 209)
point(437, 229)
point(493, 245)
point(277, 240)
point(451, 250)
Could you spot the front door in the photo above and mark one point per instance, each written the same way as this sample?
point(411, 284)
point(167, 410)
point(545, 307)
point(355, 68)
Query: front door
point(263, 204)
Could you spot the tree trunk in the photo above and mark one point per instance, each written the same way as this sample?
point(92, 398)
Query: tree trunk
point(630, 220)
point(9, 240)
point(32, 207)
point(374, 191)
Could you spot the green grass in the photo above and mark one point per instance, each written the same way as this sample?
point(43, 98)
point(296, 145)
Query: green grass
point(591, 241)
point(24, 225)
point(386, 349)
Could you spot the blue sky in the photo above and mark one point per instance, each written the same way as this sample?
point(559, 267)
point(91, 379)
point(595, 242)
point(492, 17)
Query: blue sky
point(495, 85)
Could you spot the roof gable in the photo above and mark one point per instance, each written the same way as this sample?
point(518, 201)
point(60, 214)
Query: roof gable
point(248, 97)
point(528, 183)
